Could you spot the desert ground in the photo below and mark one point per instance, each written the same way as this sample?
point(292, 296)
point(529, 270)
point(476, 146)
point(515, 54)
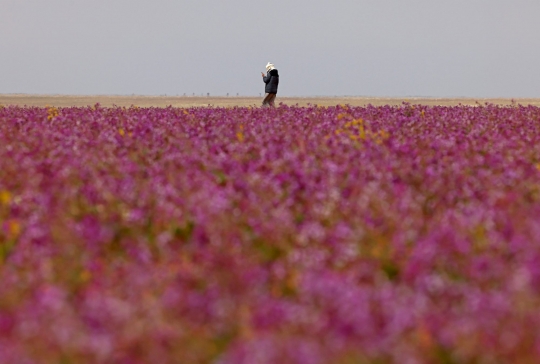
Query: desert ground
point(189, 101)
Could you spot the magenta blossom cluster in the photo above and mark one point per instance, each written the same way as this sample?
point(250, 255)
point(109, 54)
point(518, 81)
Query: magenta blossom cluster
point(305, 235)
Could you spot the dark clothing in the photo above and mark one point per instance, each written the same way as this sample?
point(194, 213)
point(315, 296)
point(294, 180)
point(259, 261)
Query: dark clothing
point(269, 100)
point(272, 80)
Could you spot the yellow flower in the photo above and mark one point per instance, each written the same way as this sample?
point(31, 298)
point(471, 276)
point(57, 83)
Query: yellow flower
point(240, 136)
point(362, 133)
point(14, 228)
point(52, 112)
point(85, 275)
point(5, 197)
point(121, 132)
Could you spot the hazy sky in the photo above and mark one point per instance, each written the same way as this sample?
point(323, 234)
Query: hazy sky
point(476, 48)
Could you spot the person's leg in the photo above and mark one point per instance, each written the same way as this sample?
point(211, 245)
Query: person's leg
point(266, 100)
point(272, 99)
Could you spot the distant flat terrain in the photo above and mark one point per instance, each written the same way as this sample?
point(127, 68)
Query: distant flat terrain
point(189, 101)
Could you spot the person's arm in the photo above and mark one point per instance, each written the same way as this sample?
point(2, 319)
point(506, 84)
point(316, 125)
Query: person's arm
point(266, 79)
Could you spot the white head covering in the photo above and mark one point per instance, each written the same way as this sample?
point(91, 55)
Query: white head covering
point(269, 67)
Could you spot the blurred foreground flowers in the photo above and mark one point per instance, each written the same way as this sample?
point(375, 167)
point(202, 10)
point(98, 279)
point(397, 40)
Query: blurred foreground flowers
point(294, 235)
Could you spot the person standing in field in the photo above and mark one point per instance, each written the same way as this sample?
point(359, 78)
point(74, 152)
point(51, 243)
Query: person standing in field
point(271, 80)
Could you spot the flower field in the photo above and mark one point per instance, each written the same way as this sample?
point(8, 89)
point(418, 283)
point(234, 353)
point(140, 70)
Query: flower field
point(394, 234)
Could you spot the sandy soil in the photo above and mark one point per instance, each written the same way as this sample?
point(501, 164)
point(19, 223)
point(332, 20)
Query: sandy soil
point(183, 101)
